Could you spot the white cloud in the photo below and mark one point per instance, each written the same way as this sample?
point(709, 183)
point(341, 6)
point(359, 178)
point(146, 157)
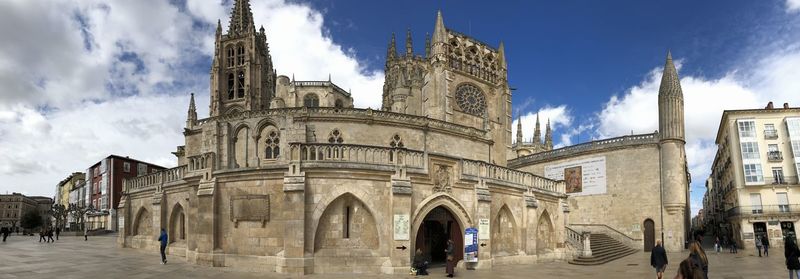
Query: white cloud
point(773, 78)
point(85, 79)
point(793, 5)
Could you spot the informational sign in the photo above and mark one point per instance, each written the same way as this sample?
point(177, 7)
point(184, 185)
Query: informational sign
point(471, 245)
point(483, 229)
point(401, 227)
point(582, 177)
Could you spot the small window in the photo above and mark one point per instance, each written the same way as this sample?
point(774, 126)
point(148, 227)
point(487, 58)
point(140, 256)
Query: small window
point(338, 103)
point(141, 169)
point(272, 148)
point(240, 55)
point(346, 223)
point(311, 101)
point(231, 86)
point(335, 137)
point(240, 88)
point(231, 55)
point(126, 167)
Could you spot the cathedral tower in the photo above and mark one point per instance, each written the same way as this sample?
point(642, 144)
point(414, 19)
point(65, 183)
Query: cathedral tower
point(242, 74)
point(674, 174)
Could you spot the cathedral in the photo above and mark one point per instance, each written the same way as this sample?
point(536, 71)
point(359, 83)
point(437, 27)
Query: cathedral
point(287, 176)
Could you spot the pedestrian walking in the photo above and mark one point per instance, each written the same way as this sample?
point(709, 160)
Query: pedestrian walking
point(50, 236)
point(699, 258)
point(42, 233)
point(163, 239)
point(734, 247)
point(58, 231)
point(758, 245)
point(716, 244)
point(687, 270)
point(658, 259)
point(450, 260)
point(4, 231)
point(85, 233)
point(792, 262)
point(765, 243)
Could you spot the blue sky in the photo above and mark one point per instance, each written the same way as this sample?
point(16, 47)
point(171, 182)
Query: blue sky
point(114, 76)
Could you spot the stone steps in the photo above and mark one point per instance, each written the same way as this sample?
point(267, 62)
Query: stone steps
point(604, 249)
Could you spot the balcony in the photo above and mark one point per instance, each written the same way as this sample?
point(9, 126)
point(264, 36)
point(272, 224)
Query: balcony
point(764, 210)
point(770, 134)
point(774, 156)
point(768, 180)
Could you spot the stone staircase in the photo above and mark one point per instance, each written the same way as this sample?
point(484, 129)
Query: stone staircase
point(604, 249)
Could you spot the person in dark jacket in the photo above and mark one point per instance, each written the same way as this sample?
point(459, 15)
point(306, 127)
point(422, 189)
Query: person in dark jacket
point(658, 259)
point(698, 257)
point(450, 269)
point(688, 270)
point(163, 239)
point(765, 243)
point(792, 262)
point(50, 236)
point(421, 265)
point(58, 232)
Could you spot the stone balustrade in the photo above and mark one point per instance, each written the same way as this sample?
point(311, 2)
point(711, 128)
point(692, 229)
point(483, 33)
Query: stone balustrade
point(522, 178)
point(586, 147)
point(153, 180)
point(201, 162)
point(580, 241)
point(377, 155)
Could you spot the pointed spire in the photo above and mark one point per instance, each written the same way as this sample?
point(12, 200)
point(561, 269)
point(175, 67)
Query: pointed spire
point(537, 132)
point(439, 32)
point(219, 27)
point(391, 53)
point(261, 30)
point(427, 45)
point(501, 53)
point(241, 18)
point(548, 136)
point(191, 117)
point(519, 128)
point(670, 83)
point(409, 47)
point(329, 77)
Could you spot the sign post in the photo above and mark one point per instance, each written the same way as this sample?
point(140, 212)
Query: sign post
point(471, 246)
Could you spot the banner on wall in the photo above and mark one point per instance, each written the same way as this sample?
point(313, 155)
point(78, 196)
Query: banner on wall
point(582, 177)
point(471, 245)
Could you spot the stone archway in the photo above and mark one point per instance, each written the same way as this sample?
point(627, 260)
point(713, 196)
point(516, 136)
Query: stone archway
point(143, 223)
point(177, 224)
point(436, 228)
point(545, 242)
point(504, 233)
point(455, 221)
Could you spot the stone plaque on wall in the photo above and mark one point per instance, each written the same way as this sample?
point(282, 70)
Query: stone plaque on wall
point(250, 208)
point(483, 229)
point(401, 227)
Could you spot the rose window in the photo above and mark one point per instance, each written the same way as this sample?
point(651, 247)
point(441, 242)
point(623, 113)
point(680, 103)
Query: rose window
point(470, 99)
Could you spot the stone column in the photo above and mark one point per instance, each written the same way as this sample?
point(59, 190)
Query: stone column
point(532, 217)
point(484, 211)
point(401, 216)
point(294, 260)
point(208, 251)
point(124, 225)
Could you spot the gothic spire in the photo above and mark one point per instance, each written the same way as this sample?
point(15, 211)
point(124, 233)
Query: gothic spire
point(439, 32)
point(191, 117)
point(670, 83)
point(548, 136)
point(391, 53)
point(519, 128)
point(409, 47)
point(427, 45)
point(501, 53)
point(537, 132)
point(219, 28)
point(241, 18)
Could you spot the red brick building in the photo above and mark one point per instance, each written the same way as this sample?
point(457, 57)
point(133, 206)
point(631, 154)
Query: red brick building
point(104, 182)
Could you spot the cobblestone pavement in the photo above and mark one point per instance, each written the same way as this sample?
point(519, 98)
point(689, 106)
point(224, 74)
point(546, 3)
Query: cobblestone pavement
point(71, 257)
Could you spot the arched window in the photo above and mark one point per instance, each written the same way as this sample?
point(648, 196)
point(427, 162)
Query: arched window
point(240, 87)
point(273, 151)
point(231, 86)
point(311, 101)
point(231, 54)
point(338, 103)
point(240, 55)
point(335, 137)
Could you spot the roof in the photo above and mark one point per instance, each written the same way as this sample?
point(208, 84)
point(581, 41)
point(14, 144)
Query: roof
point(127, 159)
point(727, 113)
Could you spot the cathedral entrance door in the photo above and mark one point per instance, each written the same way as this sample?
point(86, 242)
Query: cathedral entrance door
point(437, 227)
point(649, 235)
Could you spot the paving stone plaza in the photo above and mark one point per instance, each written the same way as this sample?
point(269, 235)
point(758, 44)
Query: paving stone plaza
point(71, 257)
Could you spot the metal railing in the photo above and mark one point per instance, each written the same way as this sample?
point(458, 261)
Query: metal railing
point(770, 134)
point(763, 210)
point(774, 156)
point(778, 180)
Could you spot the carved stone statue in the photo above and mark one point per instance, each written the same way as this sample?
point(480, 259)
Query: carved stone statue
point(441, 180)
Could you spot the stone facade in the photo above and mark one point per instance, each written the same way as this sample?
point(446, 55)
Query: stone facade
point(313, 185)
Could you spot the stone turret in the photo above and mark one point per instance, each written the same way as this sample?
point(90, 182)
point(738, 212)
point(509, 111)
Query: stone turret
point(537, 132)
point(519, 129)
point(241, 18)
point(391, 52)
point(427, 45)
point(548, 136)
point(674, 176)
point(191, 117)
point(409, 45)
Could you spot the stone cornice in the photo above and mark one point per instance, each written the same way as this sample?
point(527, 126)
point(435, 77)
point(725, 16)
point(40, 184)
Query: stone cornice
point(585, 148)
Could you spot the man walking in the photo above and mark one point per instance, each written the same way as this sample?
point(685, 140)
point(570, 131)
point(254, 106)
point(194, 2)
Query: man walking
point(58, 231)
point(163, 239)
point(765, 243)
point(758, 245)
point(4, 231)
point(85, 233)
point(658, 259)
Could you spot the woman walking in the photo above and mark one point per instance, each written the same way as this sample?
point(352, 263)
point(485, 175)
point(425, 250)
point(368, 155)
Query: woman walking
point(699, 259)
point(450, 260)
point(792, 262)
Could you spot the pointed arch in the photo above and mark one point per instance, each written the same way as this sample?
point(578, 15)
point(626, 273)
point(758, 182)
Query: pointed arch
point(505, 235)
point(545, 234)
point(177, 224)
point(142, 223)
point(335, 193)
point(346, 222)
